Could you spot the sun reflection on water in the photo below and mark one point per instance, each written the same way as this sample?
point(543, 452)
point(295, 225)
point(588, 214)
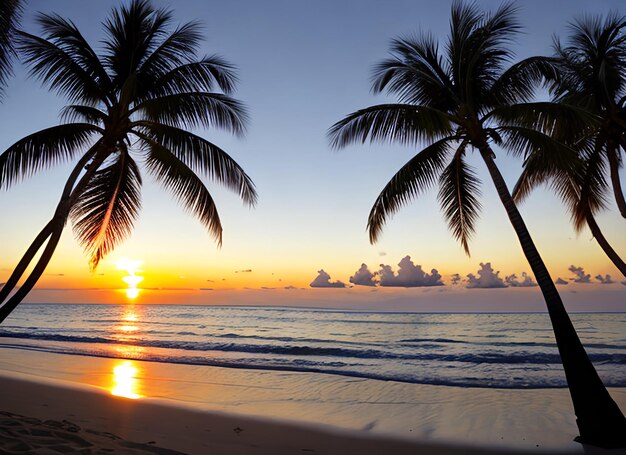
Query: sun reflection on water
point(125, 382)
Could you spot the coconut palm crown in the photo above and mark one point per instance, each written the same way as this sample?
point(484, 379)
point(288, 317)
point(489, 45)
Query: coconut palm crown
point(464, 97)
point(133, 103)
point(589, 74)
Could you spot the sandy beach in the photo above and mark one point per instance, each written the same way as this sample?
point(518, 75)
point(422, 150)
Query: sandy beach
point(65, 401)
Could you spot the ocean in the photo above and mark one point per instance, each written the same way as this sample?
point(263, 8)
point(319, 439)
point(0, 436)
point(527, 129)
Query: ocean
point(467, 350)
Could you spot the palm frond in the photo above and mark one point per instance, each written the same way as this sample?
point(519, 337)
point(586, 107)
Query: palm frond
point(593, 184)
point(593, 62)
point(65, 35)
point(106, 210)
point(43, 149)
point(82, 113)
point(522, 142)
point(465, 17)
point(201, 76)
point(401, 123)
point(10, 14)
point(563, 121)
point(58, 70)
point(185, 185)
point(479, 47)
point(459, 192)
point(417, 175)
point(486, 52)
point(201, 156)
point(416, 74)
point(177, 49)
point(133, 33)
point(518, 83)
point(196, 109)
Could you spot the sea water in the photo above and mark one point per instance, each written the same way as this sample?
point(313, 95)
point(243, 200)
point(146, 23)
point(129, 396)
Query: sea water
point(468, 350)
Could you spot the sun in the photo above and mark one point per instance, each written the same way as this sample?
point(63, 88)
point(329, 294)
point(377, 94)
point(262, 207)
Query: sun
point(132, 280)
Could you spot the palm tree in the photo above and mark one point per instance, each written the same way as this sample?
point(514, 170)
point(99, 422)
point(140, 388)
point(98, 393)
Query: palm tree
point(136, 99)
point(10, 11)
point(591, 75)
point(466, 99)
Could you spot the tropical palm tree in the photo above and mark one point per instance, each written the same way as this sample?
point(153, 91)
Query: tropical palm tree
point(465, 99)
point(136, 99)
point(10, 11)
point(591, 75)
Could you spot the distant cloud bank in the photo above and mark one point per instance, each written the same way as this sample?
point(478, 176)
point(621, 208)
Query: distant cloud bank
point(363, 277)
point(322, 280)
point(409, 275)
point(527, 281)
point(606, 279)
point(580, 276)
point(486, 278)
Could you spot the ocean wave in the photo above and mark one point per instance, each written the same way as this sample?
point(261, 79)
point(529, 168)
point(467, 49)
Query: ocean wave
point(335, 368)
point(481, 357)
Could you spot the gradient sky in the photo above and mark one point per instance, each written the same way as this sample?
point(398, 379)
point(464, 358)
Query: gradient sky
point(303, 66)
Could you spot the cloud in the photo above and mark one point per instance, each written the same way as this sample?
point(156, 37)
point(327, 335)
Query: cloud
point(624, 283)
point(527, 281)
point(290, 288)
point(455, 279)
point(206, 289)
point(606, 279)
point(561, 281)
point(243, 271)
point(267, 288)
point(486, 278)
point(382, 253)
point(363, 277)
point(409, 275)
point(580, 275)
point(55, 274)
point(210, 281)
point(322, 280)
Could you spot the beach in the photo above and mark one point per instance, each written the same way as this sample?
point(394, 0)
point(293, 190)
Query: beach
point(202, 409)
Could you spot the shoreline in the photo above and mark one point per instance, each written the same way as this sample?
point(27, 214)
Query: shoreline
point(377, 416)
point(151, 426)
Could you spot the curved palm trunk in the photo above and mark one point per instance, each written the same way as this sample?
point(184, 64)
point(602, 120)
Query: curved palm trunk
point(599, 419)
point(34, 276)
point(605, 245)
point(56, 226)
point(615, 180)
point(47, 231)
point(25, 261)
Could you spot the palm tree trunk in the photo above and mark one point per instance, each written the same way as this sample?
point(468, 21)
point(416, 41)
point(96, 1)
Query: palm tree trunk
point(615, 180)
point(604, 244)
point(47, 231)
point(58, 223)
point(25, 261)
point(599, 419)
point(41, 265)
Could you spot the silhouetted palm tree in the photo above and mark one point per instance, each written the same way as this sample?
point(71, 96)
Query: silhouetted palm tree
point(466, 99)
point(10, 11)
point(134, 100)
point(591, 75)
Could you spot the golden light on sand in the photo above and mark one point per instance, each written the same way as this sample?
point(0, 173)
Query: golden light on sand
point(132, 280)
point(125, 382)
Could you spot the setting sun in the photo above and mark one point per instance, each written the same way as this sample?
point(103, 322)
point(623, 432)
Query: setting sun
point(132, 280)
